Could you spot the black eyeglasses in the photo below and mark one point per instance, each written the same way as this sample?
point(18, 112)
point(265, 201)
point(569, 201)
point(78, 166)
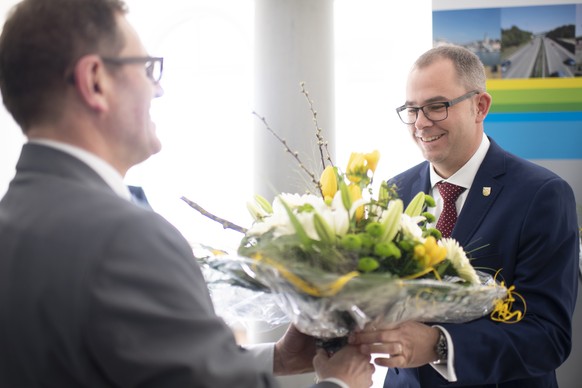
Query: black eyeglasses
point(435, 111)
point(154, 66)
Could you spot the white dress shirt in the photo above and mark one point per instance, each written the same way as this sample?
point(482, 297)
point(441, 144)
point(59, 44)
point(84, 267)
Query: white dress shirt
point(464, 177)
point(100, 166)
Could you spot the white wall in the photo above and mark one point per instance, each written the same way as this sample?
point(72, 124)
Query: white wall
point(11, 137)
point(376, 44)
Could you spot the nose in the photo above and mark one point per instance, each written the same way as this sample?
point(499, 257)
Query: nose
point(159, 91)
point(421, 120)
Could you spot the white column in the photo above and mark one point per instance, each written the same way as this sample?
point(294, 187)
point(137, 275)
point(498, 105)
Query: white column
point(293, 44)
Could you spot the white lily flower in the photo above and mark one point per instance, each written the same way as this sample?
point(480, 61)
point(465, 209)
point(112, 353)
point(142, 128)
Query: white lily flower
point(337, 219)
point(410, 226)
point(356, 205)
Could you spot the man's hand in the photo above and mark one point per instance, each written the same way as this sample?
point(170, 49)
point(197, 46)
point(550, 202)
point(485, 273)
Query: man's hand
point(409, 345)
point(294, 353)
point(348, 364)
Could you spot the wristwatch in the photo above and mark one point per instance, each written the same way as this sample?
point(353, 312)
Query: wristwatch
point(441, 348)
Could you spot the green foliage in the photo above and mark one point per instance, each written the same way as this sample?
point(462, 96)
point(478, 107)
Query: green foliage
point(515, 36)
point(567, 31)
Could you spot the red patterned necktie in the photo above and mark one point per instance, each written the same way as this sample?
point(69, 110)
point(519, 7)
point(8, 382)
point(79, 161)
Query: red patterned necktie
point(448, 217)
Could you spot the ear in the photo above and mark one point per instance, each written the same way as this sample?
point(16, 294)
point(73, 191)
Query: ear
point(91, 82)
point(483, 105)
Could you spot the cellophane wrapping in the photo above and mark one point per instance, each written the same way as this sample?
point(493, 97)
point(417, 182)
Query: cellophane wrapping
point(246, 290)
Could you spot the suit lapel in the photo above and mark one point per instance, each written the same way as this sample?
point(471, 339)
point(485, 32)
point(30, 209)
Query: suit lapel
point(484, 191)
point(421, 183)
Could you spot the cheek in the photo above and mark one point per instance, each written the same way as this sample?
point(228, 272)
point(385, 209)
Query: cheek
point(140, 113)
point(411, 131)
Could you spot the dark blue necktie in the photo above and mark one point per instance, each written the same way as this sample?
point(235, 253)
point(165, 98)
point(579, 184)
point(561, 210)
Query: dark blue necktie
point(138, 197)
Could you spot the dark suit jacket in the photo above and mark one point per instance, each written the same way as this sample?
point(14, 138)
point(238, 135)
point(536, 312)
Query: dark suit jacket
point(527, 227)
point(98, 292)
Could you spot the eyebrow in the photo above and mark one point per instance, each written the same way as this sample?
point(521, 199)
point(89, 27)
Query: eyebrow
point(429, 101)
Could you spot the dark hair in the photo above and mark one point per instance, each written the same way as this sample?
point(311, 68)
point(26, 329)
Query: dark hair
point(467, 64)
point(41, 42)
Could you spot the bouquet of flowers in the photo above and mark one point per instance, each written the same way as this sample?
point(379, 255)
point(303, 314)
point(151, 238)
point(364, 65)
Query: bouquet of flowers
point(344, 257)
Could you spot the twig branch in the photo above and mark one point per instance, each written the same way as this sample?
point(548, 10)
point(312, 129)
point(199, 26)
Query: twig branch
point(225, 223)
point(321, 143)
point(295, 154)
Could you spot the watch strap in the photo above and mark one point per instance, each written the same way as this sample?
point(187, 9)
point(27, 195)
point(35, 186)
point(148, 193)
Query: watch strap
point(441, 348)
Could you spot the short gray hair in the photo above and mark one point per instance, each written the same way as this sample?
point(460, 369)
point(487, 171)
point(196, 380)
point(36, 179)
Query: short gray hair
point(469, 67)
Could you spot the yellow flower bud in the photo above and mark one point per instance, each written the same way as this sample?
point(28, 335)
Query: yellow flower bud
point(430, 253)
point(419, 251)
point(435, 252)
point(355, 194)
point(356, 167)
point(328, 182)
point(430, 245)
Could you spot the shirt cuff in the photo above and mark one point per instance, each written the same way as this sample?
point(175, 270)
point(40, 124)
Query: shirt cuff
point(447, 369)
point(337, 381)
point(264, 353)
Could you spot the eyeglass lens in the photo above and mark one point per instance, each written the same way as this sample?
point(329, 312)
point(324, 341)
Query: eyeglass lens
point(434, 112)
point(154, 70)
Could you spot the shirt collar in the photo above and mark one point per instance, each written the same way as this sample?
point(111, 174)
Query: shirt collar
point(113, 179)
point(465, 175)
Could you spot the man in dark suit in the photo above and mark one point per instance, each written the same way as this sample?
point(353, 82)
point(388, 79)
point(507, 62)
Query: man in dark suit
point(94, 290)
point(513, 216)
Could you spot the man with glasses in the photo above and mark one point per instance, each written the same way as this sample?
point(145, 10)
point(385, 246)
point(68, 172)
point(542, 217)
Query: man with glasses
point(511, 215)
point(94, 290)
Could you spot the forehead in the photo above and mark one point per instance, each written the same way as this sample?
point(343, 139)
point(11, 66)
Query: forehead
point(435, 81)
point(133, 45)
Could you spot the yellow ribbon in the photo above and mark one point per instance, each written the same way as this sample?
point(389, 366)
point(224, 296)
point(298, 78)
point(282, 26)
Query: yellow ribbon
point(503, 308)
point(329, 289)
point(502, 311)
point(422, 273)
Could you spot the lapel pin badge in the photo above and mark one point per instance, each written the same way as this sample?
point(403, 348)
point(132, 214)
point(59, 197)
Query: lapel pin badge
point(486, 191)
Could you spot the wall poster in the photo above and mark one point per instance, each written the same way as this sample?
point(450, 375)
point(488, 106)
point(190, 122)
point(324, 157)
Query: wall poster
point(532, 52)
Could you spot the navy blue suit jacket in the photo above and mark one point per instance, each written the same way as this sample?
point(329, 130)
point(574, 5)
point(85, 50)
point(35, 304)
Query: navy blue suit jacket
point(526, 227)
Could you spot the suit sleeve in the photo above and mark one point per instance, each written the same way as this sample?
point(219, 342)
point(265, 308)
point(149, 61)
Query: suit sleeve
point(539, 257)
point(151, 322)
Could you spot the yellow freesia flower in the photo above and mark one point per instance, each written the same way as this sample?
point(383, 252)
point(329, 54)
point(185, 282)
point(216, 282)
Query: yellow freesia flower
point(328, 182)
point(356, 167)
point(355, 194)
point(430, 253)
point(372, 158)
point(359, 165)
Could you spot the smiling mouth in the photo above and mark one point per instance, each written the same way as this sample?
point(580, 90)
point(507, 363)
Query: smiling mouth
point(429, 139)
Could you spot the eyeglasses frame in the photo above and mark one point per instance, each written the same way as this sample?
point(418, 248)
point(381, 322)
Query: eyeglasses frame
point(447, 105)
point(119, 61)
